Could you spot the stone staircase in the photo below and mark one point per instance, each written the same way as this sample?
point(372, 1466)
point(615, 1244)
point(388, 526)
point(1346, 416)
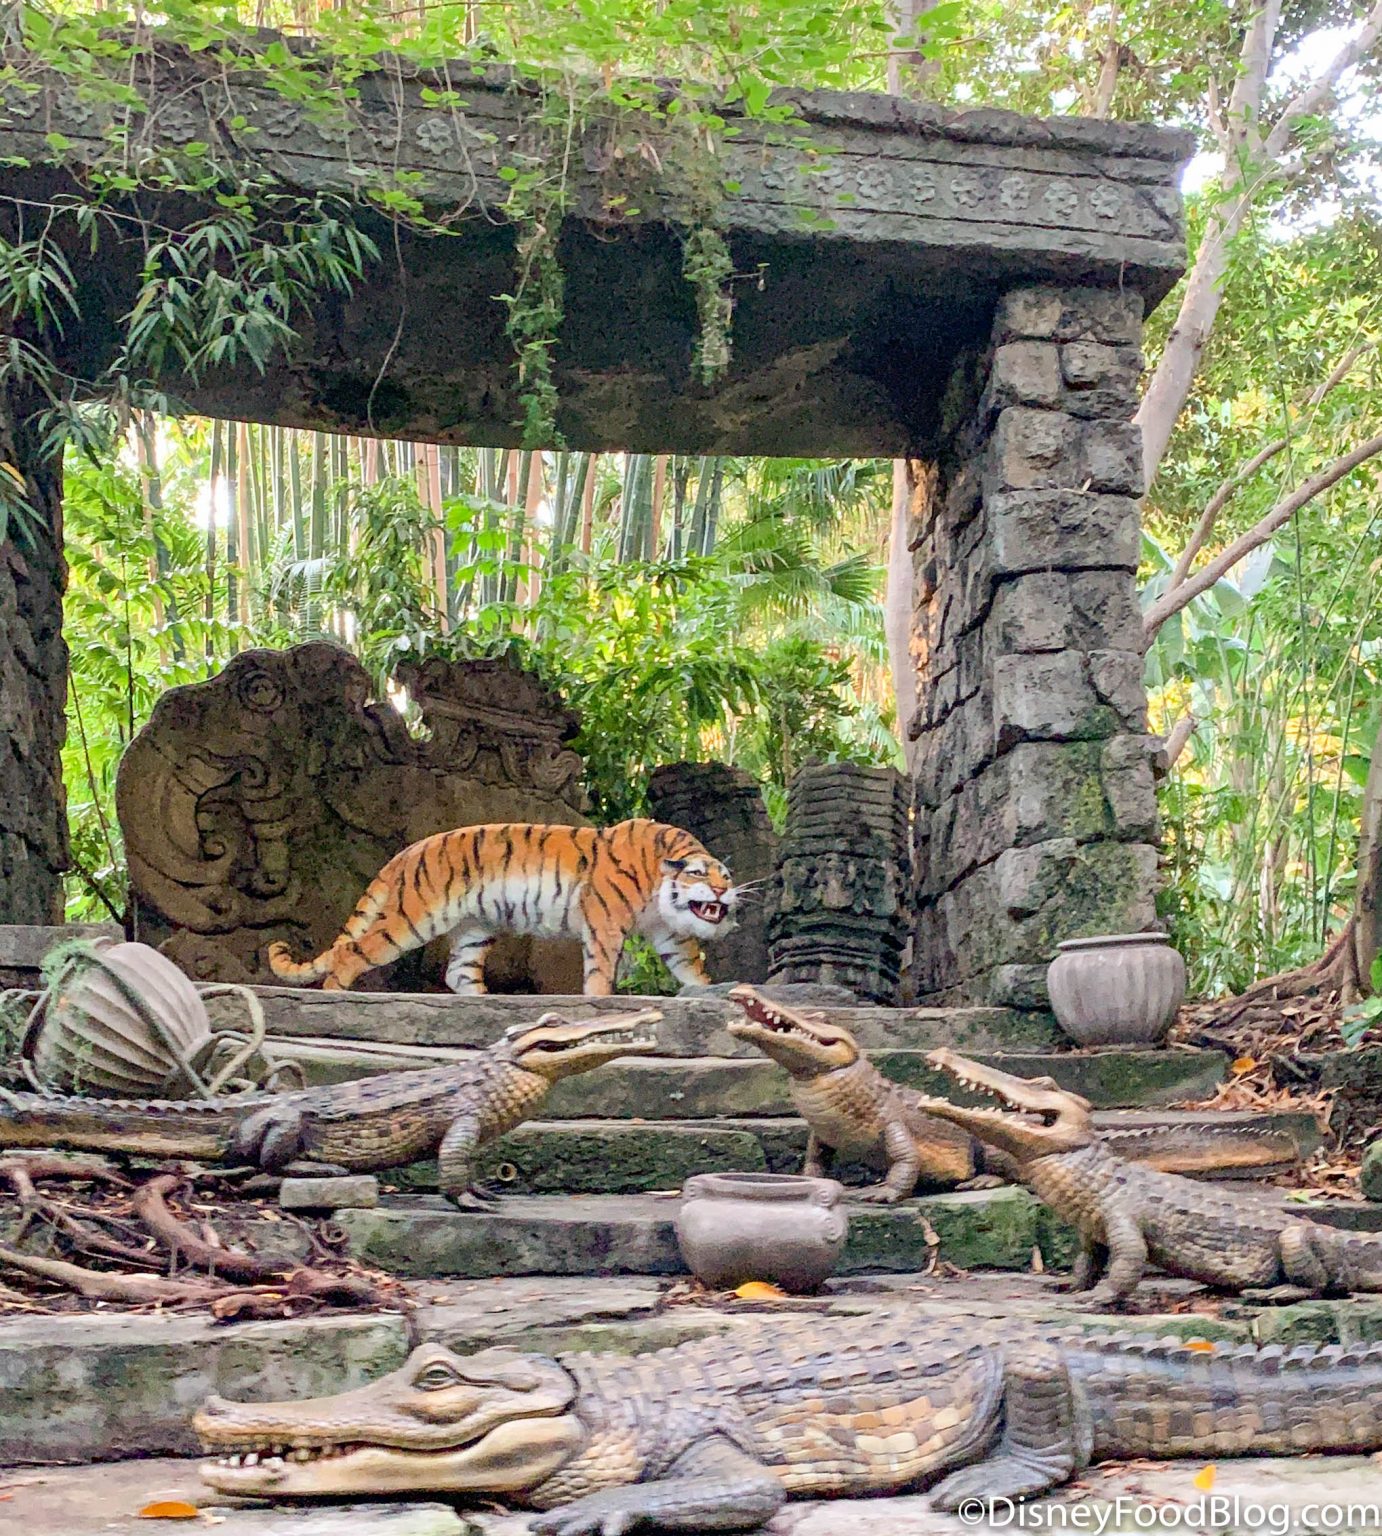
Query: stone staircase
point(590, 1189)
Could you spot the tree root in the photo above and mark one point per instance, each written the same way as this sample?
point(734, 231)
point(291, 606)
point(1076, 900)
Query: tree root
point(187, 1247)
point(1336, 971)
point(278, 1288)
point(108, 1285)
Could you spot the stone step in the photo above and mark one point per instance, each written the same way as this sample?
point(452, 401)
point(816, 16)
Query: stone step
point(632, 1157)
point(422, 1236)
point(98, 1386)
point(677, 1088)
point(691, 1026)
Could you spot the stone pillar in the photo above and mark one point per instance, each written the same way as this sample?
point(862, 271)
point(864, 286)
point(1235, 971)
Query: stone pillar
point(839, 913)
point(1035, 809)
point(33, 688)
point(724, 807)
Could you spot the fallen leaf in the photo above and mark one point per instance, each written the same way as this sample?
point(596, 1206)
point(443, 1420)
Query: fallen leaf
point(1200, 1346)
point(759, 1290)
point(169, 1509)
point(1204, 1479)
point(1244, 1064)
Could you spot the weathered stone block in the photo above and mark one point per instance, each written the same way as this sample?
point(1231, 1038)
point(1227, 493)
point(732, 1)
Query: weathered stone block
point(1065, 529)
point(1030, 613)
point(1371, 1176)
point(1025, 373)
point(1117, 679)
point(1088, 365)
point(1032, 450)
point(1110, 457)
point(1058, 610)
point(1047, 697)
point(1106, 315)
point(1038, 792)
point(328, 1194)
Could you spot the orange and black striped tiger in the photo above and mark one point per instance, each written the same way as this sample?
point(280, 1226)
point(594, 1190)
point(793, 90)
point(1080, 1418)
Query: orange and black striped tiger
point(597, 885)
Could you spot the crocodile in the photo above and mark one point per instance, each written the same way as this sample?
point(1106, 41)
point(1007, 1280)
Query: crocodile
point(851, 1109)
point(716, 1434)
point(1127, 1215)
point(383, 1121)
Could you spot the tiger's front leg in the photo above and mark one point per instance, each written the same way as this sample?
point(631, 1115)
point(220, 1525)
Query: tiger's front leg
point(683, 958)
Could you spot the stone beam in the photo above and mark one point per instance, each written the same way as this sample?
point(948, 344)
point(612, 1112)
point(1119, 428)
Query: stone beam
point(870, 259)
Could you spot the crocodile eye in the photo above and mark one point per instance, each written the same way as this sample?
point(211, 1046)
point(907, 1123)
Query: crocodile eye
point(436, 1377)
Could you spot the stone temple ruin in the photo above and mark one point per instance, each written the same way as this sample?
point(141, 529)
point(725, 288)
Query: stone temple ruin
point(966, 289)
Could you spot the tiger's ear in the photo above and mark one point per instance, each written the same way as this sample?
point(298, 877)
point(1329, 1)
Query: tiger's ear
point(674, 866)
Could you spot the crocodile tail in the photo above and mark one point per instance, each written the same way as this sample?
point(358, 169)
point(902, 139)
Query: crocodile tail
point(1151, 1397)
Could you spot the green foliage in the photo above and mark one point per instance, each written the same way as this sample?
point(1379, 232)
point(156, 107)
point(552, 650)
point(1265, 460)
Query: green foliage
point(1282, 661)
point(1367, 1015)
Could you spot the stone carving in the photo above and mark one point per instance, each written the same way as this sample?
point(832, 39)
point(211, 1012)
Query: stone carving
point(724, 807)
point(435, 134)
point(258, 805)
point(839, 913)
point(967, 190)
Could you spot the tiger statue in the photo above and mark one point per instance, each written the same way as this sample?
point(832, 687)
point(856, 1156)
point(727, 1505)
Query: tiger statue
point(598, 885)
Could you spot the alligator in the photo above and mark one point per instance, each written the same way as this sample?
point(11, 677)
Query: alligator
point(384, 1121)
point(1127, 1215)
point(716, 1434)
point(850, 1108)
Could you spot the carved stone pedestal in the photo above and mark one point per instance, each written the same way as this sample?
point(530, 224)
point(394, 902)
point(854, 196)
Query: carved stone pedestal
point(839, 913)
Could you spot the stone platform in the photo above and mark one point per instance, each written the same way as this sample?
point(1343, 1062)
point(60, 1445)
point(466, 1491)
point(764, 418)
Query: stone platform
point(104, 1386)
point(102, 1501)
point(107, 1389)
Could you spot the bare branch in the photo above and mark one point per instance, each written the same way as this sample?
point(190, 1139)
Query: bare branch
point(1306, 102)
point(1177, 740)
point(1171, 602)
point(1230, 487)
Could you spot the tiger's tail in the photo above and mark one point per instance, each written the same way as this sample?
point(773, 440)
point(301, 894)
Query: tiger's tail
point(280, 955)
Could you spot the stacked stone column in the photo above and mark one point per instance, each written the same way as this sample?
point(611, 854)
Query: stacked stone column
point(839, 914)
point(1035, 807)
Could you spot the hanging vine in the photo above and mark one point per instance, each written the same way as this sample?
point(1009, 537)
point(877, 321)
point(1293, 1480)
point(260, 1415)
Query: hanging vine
point(229, 285)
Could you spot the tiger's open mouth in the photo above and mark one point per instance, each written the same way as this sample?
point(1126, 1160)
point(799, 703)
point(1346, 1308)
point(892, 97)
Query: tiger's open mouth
point(709, 911)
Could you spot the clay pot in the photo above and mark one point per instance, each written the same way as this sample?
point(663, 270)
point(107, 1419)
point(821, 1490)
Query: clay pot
point(788, 1230)
point(115, 1023)
point(1117, 989)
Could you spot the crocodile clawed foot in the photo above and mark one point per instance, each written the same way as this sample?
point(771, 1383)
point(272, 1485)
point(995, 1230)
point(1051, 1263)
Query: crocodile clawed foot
point(877, 1194)
point(473, 1200)
point(983, 1181)
point(1099, 1300)
point(1000, 1478)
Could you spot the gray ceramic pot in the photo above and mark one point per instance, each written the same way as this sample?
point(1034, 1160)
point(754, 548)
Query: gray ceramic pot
point(735, 1227)
point(1117, 989)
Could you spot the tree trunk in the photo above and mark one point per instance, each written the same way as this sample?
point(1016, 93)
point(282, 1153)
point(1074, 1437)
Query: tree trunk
point(33, 685)
point(1367, 923)
point(897, 606)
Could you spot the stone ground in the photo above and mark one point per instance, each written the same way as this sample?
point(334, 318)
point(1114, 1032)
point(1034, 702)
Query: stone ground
point(105, 1500)
point(637, 1313)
